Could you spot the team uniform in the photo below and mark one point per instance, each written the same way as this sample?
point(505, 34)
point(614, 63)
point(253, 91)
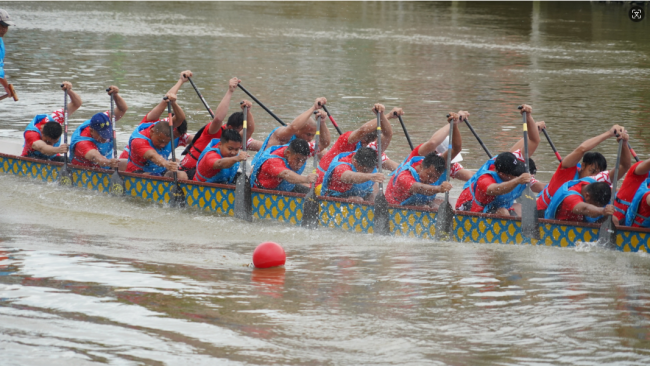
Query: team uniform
point(33, 133)
point(268, 168)
point(561, 176)
point(139, 144)
point(82, 142)
point(179, 141)
point(334, 187)
point(204, 167)
point(260, 153)
point(565, 200)
point(631, 200)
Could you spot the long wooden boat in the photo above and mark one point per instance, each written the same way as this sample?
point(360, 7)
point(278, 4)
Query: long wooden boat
point(337, 213)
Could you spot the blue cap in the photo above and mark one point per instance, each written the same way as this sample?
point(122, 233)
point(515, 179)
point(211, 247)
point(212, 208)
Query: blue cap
point(102, 125)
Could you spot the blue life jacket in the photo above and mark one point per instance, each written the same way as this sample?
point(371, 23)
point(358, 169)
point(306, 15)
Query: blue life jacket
point(545, 195)
point(632, 214)
point(176, 141)
point(564, 192)
point(267, 155)
point(505, 200)
point(359, 189)
point(416, 198)
point(226, 175)
point(106, 148)
point(355, 150)
point(259, 154)
point(32, 127)
point(149, 166)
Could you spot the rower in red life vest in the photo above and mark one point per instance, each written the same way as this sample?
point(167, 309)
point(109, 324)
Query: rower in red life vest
point(43, 134)
point(280, 168)
point(220, 160)
point(215, 128)
point(632, 201)
point(302, 127)
point(150, 148)
point(353, 175)
point(594, 165)
point(423, 174)
point(92, 142)
point(583, 200)
point(361, 137)
point(182, 138)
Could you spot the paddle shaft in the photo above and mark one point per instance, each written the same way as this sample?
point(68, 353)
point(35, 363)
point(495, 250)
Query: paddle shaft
point(332, 120)
point(243, 165)
point(449, 156)
point(201, 96)
point(478, 138)
point(65, 128)
point(316, 138)
point(261, 105)
point(548, 138)
point(406, 133)
point(381, 184)
point(113, 124)
point(633, 152)
point(615, 177)
point(171, 130)
point(526, 146)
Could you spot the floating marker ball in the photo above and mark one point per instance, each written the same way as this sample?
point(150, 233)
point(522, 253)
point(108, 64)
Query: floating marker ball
point(269, 254)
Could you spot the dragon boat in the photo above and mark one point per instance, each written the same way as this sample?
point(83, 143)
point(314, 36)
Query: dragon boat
point(342, 214)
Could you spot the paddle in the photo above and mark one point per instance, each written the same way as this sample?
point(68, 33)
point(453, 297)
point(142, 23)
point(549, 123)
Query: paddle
point(117, 184)
point(243, 195)
point(607, 232)
point(478, 138)
point(65, 175)
point(12, 93)
point(310, 205)
point(200, 131)
point(261, 105)
point(633, 152)
point(332, 120)
point(548, 138)
point(406, 133)
point(381, 221)
point(529, 220)
point(445, 215)
point(178, 196)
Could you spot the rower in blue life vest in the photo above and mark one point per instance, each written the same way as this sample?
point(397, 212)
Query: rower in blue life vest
point(280, 168)
point(582, 200)
point(91, 144)
point(302, 127)
point(353, 175)
point(150, 147)
point(219, 161)
point(43, 136)
point(423, 173)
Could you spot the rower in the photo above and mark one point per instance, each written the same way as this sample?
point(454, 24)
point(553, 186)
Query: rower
point(150, 147)
point(92, 142)
point(361, 137)
point(423, 174)
point(632, 203)
point(182, 138)
point(302, 127)
point(215, 128)
point(583, 200)
point(42, 135)
point(594, 165)
point(353, 175)
point(280, 168)
point(220, 160)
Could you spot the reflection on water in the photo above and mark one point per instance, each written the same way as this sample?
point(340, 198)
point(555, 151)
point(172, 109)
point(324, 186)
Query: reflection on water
point(86, 278)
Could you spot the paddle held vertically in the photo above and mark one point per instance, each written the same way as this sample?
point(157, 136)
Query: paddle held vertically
point(243, 200)
point(381, 221)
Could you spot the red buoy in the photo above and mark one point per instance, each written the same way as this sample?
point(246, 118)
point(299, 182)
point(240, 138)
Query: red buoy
point(269, 254)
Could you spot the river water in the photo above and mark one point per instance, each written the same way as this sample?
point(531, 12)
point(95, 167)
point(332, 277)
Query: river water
point(90, 279)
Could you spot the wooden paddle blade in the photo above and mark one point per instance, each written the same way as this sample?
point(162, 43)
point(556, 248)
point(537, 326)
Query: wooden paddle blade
point(243, 200)
point(444, 222)
point(381, 221)
point(607, 233)
point(117, 185)
point(178, 196)
point(13, 92)
point(529, 220)
point(310, 210)
point(65, 177)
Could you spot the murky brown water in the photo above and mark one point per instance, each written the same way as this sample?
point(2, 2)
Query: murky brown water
point(91, 279)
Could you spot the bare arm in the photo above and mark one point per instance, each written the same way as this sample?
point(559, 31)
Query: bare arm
point(99, 159)
point(285, 133)
point(75, 99)
point(226, 163)
point(533, 132)
point(155, 158)
point(574, 158)
point(390, 165)
point(365, 129)
point(351, 177)
point(120, 104)
point(48, 150)
point(429, 190)
point(325, 137)
point(295, 178)
point(497, 189)
point(222, 109)
point(158, 110)
point(586, 209)
point(626, 159)
point(457, 141)
point(643, 168)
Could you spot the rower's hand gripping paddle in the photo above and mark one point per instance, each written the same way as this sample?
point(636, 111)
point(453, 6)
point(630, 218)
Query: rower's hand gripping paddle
point(177, 194)
point(607, 232)
point(243, 195)
point(65, 174)
point(117, 183)
point(310, 205)
point(445, 215)
point(381, 225)
point(529, 219)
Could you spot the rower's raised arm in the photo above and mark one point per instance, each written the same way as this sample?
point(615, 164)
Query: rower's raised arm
point(457, 141)
point(576, 155)
point(386, 128)
point(250, 122)
point(157, 111)
point(179, 115)
point(75, 99)
point(285, 133)
point(222, 110)
point(533, 132)
point(120, 103)
point(626, 158)
point(325, 137)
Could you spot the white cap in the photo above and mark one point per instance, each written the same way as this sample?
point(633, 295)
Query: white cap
point(443, 147)
point(4, 17)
